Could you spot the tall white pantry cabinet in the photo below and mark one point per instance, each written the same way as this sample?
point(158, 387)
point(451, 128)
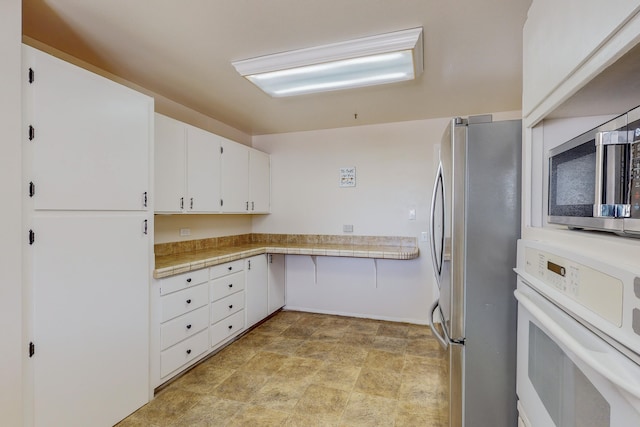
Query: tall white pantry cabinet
point(88, 244)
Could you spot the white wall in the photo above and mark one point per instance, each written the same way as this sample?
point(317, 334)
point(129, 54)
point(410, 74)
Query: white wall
point(395, 166)
point(167, 227)
point(11, 242)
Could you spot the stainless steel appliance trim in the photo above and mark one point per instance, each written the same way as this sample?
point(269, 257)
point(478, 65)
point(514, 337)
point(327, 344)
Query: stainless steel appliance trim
point(458, 231)
point(611, 125)
point(436, 258)
point(443, 340)
point(612, 224)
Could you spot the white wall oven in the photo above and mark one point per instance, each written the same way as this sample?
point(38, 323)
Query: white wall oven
point(578, 362)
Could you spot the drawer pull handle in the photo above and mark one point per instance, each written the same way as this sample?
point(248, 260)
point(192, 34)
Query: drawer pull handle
point(230, 268)
point(231, 306)
point(188, 301)
point(231, 285)
point(188, 326)
point(189, 351)
point(189, 280)
point(230, 326)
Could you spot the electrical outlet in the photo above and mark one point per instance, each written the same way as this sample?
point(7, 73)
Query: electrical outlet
point(347, 228)
point(424, 236)
point(185, 232)
point(412, 214)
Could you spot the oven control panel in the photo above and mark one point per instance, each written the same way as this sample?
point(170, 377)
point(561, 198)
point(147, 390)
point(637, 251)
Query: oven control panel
point(593, 289)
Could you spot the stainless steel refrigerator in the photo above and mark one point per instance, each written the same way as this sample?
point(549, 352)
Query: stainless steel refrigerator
point(475, 222)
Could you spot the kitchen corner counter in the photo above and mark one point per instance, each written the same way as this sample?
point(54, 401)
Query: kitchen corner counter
point(181, 257)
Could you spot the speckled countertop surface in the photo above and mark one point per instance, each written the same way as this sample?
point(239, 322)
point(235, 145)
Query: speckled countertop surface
point(181, 257)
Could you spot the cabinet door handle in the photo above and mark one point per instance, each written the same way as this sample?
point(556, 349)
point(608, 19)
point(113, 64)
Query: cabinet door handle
point(247, 205)
point(189, 326)
point(189, 351)
point(191, 204)
point(189, 280)
point(253, 208)
point(145, 227)
point(181, 202)
point(231, 285)
point(230, 326)
point(231, 306)
point(188, 301)
point(230, 268)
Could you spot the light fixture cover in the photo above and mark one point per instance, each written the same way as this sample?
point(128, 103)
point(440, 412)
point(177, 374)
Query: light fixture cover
point(367, 61)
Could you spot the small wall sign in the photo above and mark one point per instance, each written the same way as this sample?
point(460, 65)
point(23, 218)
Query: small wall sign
point(348, 177)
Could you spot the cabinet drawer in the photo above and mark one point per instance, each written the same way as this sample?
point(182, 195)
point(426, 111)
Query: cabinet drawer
point(227, 268)
point(177, 303)
point(175, 330)
point(227, 306)
point(227, 327)
point(183, 352)
point(227, 285)
point(182, 281)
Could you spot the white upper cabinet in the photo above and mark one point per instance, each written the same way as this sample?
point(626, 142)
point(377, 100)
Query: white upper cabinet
point(187, 168)
point(259, 182)
point(559, 36)
point(234, 177)
point(170, 164)
point(203, 171)
point(200, 172)
point(104, 163)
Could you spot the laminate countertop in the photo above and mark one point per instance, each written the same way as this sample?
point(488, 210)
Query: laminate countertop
point(181, 257)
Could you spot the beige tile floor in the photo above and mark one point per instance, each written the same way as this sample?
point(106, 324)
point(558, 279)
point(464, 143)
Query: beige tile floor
point(307, 369)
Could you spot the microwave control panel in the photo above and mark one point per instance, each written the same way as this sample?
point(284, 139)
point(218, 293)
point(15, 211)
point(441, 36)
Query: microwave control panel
point(634, 174)
point(594, 290)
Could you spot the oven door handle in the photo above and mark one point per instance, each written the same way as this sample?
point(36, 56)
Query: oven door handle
point(443, 340)
point(598, 360)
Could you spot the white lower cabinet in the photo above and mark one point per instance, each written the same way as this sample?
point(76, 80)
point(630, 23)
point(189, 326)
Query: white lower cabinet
point(275, 282)
point(257, 293)
point(196, 313)
point(226, 328)
point(180, 328)
point(183, 352)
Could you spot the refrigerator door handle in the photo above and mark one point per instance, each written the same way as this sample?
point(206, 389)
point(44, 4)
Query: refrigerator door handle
point(437, 258)
point(444, 342)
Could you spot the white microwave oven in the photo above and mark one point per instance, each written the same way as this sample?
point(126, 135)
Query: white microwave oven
point(594, 178)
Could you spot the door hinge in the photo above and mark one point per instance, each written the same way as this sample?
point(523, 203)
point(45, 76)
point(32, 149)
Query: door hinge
point(144, 199)
point(221, 202)
point(32, 237)
point(249, 262)
point(32, 189)
point(32, 133)
point(32, 75)
point(32, 349)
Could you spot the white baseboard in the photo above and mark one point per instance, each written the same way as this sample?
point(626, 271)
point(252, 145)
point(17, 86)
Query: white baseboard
point(360, 315)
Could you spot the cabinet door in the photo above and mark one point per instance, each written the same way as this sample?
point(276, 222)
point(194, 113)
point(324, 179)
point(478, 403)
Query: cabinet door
point(259, 182)
point(234, 177)
point(170, 174)
point(90, 140)
point(256, 289)
point(203, 171)
point(560, 36)
point(276, 282)
point(90, 277)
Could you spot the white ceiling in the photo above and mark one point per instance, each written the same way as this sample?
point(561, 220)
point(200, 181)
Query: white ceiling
point(183, 49)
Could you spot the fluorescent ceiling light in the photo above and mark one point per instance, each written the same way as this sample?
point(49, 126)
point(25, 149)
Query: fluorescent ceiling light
point(381, 59)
